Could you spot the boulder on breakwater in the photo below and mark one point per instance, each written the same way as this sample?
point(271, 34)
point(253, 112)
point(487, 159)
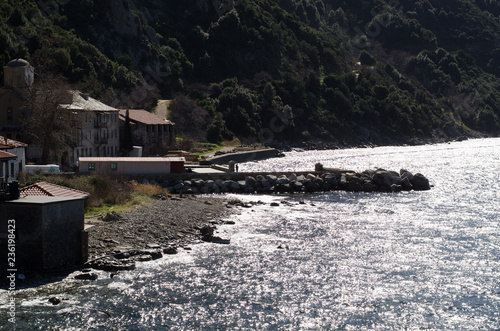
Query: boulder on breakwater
point(324, 180)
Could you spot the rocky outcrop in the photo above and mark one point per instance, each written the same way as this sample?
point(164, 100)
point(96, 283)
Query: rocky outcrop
point(379, 180)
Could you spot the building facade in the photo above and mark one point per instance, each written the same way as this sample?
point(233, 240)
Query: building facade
point(153, 133)
point(98, 128)
point(132, 165)
point(16, 166)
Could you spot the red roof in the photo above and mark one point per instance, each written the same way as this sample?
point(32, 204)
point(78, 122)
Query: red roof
point(52, 190)
point(7, 156)
point(143, 116)
point(10, 142)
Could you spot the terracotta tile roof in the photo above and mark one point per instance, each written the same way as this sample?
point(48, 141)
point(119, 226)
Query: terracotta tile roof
point(143, 116)
point(7, 156)
point(12, 142)
point(52, 190)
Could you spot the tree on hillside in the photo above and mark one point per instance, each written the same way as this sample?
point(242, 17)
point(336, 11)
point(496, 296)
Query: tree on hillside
point(128, 136)
point(190, 119)
point(48, 126)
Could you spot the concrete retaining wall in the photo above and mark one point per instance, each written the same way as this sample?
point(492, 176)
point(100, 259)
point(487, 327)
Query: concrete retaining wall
point(241, 157)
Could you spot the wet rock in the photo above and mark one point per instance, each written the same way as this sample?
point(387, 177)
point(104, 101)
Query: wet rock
point(298, 186)
point(221, 241)
point(331, 179)
point(355, 184)
point(249, 189)
point(86, 276)
point(55, 301)
point(368, 186)
point(420, 183)
point(301, 178)
point(123, 255)
point(282, 180)
point(155, 254)
point(382, 178)
point(170, 250)
point(205, 190)
point(207, 230)
point(274, 204)
point(271, 179)
point(312, 186)
point(343, 180)
point(110, 264)
point(406, 184)
point(143, 258)
point(178, 187)
point(406, 174)
point(396, 188)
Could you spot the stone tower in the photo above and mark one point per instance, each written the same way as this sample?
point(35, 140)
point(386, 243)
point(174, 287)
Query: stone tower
point(18, 73)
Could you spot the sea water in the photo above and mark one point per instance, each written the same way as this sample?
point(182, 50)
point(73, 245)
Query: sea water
point(332, 261)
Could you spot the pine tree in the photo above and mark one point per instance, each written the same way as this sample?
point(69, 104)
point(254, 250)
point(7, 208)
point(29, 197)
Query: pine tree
point(128, 138)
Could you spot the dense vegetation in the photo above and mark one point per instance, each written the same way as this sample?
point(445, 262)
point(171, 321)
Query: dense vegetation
point(344, 71)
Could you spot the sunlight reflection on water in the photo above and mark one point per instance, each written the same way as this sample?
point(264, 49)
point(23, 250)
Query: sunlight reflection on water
point(341, 260)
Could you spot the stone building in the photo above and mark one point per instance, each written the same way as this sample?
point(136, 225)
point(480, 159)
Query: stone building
point(49, 233)
point(98, 126)
point(19, 75)
point(153, 133)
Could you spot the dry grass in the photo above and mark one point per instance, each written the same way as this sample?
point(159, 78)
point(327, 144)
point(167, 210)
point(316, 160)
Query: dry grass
point(105, 191)
point(148, 189)
point(102, 189)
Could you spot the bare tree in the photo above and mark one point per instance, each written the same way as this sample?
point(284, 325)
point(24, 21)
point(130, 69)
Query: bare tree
point(47, 125)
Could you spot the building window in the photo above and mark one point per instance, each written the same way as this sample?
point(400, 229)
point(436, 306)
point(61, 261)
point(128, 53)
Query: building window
point(91, 166)
point(114, 166)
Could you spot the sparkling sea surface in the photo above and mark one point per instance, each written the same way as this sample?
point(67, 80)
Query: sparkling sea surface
point(334, 261)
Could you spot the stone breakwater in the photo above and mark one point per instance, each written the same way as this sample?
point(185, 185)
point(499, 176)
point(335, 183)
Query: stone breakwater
point(379, 180)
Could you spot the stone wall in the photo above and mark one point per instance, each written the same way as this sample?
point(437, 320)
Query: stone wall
point(242, 157)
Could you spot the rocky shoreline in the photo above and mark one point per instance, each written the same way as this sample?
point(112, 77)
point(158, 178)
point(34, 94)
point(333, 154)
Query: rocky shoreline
point(367, 138)
point(150, 231)
point(170, 224)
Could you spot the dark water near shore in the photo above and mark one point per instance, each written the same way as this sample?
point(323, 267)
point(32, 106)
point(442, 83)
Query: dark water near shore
point(345, 261)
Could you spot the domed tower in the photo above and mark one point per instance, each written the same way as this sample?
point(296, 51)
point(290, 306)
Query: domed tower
point(18, 73)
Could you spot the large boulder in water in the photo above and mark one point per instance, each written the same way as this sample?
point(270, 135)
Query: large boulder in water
point(386, 178)
point(420, 183)
point(355, 184)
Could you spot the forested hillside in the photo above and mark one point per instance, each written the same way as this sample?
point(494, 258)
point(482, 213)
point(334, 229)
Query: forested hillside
point(348, 72)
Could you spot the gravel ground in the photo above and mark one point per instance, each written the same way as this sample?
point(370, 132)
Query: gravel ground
point(171, 222)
